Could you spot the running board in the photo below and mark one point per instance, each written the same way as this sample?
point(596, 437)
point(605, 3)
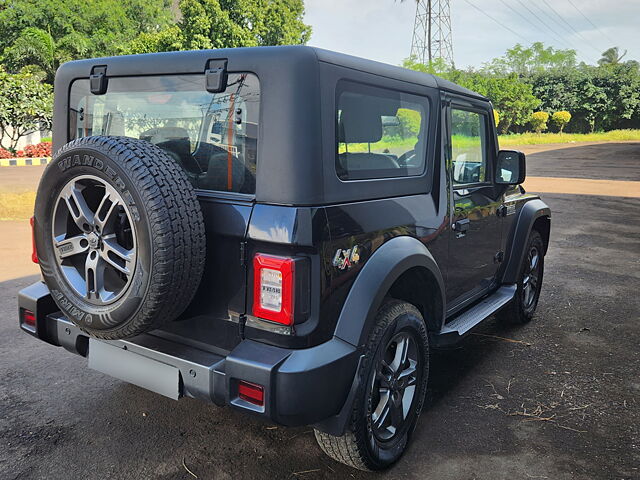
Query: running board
point(459, 326)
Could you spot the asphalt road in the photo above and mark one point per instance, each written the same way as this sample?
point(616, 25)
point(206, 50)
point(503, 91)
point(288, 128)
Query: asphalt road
point(558, 398)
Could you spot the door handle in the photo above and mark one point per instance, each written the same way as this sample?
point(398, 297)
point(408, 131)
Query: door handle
point(461, 226)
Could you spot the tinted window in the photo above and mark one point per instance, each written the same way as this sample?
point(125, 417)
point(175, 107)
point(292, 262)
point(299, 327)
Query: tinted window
point(380, 133)
point(212, 136)
point(468, 146)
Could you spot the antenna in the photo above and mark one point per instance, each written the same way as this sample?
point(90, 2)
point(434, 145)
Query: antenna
point(432, 32)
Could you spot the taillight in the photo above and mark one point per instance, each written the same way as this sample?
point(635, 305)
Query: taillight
point(273, 288)
point(34, 254)
point(250, 392)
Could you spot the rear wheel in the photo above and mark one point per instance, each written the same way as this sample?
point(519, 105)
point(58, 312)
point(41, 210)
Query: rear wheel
point(523, 306)
point(393, 382)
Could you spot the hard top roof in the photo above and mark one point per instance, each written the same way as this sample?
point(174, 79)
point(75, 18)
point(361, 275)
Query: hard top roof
point(152, 63)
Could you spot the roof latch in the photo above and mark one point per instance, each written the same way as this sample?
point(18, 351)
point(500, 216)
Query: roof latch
point(216, 76)
point(98, 80)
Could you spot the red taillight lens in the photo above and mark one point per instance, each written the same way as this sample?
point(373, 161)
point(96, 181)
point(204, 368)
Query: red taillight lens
point(29, 319)
point(250, 392)
point(273, 280)
point(34, 254)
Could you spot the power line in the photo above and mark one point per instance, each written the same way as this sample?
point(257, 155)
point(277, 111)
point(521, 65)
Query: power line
point(560, 33)
point(515, 11)
point(570, 26)
point(541, 21)
point(497, 21)
point(562, 40)
point(591, 23)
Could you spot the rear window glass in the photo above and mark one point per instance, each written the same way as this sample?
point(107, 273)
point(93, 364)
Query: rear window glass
point(213, 137)
point(380, 133)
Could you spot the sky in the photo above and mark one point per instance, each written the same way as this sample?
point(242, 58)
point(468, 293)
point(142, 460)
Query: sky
point(382, 29)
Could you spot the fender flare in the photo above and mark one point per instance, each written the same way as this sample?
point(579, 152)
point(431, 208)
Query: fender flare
point(378, 274)
point(529, 213)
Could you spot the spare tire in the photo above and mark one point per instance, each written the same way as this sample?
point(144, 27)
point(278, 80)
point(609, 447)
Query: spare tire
point(119, 235)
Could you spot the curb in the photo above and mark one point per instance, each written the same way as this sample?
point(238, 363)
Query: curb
point(24, 162)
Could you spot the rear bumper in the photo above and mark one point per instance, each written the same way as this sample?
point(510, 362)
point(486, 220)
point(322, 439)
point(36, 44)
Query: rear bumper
point(301, 387)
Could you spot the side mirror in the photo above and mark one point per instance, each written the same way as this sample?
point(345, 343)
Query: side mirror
point(510, 168)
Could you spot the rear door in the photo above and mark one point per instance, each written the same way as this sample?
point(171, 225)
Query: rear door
point(475, 236)
point(213, 138)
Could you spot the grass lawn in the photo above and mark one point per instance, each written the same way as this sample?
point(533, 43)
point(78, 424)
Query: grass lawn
point(535, 139)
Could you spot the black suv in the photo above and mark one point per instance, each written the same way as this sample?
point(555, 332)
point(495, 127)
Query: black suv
point(285, 230)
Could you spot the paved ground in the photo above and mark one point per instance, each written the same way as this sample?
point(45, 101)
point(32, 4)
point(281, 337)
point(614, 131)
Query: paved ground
point(556, 399)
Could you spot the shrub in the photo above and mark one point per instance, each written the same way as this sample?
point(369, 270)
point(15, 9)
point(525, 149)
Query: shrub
point(560, 119)
point(42, 149)
point(5, 153)
point(496, 117)
point(538, 121)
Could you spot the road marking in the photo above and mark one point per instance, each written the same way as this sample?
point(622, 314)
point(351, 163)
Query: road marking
point(583, 186)
point(24, 162)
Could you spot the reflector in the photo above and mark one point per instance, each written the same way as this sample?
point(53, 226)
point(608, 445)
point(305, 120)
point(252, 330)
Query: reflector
point(250, 392)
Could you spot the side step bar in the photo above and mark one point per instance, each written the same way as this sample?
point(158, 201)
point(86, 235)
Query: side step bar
point(466, 321)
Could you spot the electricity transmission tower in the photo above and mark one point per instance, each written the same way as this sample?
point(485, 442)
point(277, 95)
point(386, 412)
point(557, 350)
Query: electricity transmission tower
point(432, 32)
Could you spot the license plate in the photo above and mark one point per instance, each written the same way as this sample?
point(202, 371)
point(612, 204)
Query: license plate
point(133, 368)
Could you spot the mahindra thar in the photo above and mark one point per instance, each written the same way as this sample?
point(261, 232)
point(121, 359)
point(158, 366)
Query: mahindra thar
point(284, 230)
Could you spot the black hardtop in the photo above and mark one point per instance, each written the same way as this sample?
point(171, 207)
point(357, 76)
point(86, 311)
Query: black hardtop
point(293, 143)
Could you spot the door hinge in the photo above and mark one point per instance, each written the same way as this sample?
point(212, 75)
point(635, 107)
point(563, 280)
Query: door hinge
point(243, 253)
point(242, 321)
point(499, 257)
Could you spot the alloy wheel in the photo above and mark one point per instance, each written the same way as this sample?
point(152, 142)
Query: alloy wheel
point(531, 278)
point(394, 386)
point(93, 239)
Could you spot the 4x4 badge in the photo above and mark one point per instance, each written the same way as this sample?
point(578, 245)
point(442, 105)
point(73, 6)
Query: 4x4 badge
point(345, 258)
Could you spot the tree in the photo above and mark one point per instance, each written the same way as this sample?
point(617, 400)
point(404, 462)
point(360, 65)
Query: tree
point(34, 47)
point(511, 97)
point(560, 119)
point(25, 107)
point(227, 24)
point(48, 32)
point(527, 60)
point(611, 56)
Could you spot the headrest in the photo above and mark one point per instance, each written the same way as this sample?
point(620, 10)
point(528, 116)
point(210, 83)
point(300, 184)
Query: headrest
point(164, 134)
point(360, 121)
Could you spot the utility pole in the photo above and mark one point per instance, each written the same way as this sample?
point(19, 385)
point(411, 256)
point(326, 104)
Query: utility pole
point(432, 32)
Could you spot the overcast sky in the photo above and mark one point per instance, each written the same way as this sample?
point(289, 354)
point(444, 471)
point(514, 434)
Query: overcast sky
point(382, 29)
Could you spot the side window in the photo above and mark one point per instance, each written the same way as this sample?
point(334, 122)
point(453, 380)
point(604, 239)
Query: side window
point(468, 146)
point(380, 133)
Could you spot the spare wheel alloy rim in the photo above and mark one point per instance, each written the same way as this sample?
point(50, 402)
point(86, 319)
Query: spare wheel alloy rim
point(94, 239)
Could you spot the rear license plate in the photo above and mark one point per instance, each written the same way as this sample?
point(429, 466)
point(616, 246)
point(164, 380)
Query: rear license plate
point(133, 368)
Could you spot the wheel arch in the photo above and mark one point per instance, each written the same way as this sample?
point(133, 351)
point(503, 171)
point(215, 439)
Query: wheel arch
point(534, 214)
point(390, 272)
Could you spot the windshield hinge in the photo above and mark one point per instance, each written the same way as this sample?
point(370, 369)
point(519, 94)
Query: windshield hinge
point(98, 80)
point(216, 76)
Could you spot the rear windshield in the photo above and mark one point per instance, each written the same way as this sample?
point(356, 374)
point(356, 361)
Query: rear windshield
point(213, 137)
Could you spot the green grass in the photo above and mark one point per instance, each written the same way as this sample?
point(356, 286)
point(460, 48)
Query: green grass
point(535, 139)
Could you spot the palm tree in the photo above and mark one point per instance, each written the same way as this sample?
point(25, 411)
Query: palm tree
point(611, 56)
